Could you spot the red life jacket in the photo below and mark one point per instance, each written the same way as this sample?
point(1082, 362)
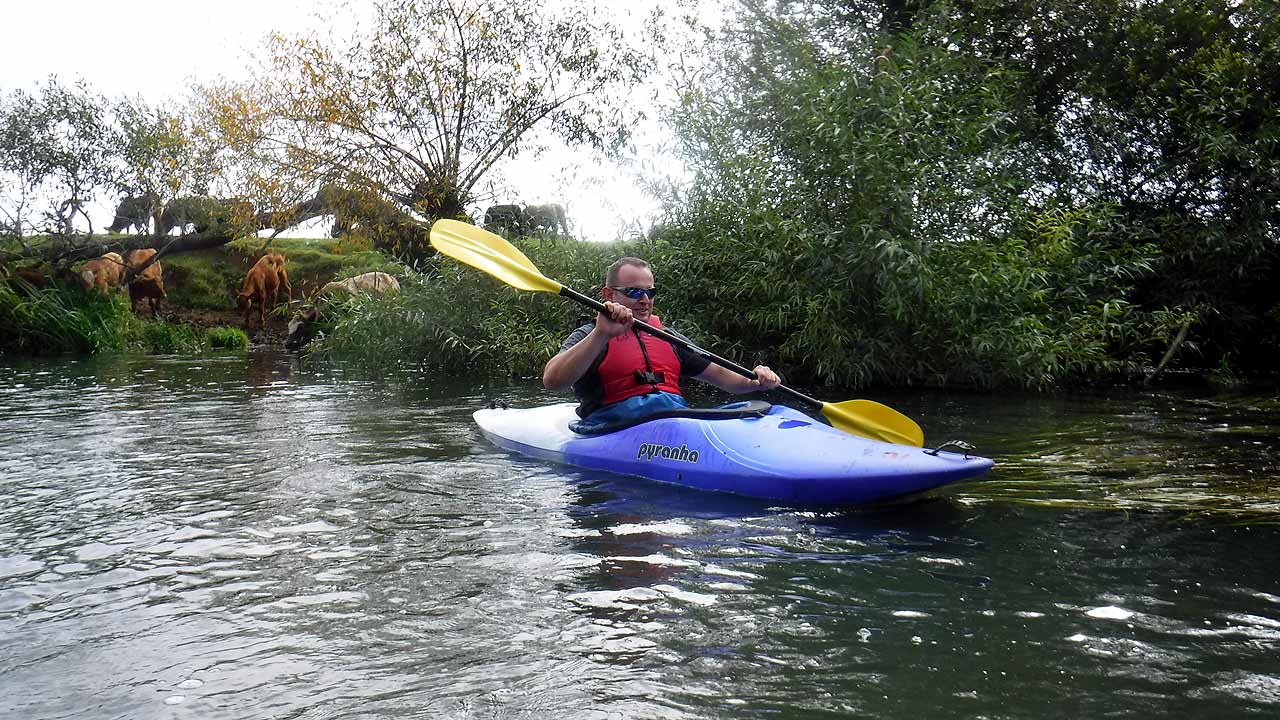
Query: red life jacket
point(630, 356)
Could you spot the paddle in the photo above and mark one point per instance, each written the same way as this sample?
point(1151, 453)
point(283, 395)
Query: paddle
point(485, 251)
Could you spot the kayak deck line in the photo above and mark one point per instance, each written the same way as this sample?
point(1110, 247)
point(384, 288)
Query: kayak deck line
point(781, 455)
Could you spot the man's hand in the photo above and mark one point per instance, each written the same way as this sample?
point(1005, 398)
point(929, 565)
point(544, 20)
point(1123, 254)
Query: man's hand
point(766, 379)
point(617, 322)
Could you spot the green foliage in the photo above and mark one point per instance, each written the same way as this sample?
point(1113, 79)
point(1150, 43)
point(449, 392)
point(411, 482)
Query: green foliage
point(61, 320)
point(1044, 305)
point(935, 193)
point(827, 184)
point(227, 338)
point(461, 320)
point(56, 319)
point(205, 279)
point(166, 338)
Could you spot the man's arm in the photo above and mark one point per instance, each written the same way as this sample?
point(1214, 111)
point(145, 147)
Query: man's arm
point(570, 364)
point(732, 382)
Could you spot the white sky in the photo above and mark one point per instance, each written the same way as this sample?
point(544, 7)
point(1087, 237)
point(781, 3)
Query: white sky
point(156, 49)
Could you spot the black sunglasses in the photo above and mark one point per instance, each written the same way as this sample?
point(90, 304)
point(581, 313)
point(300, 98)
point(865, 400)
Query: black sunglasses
point(635, 293)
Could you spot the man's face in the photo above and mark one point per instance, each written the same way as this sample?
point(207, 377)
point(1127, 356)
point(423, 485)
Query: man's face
point(633, 276)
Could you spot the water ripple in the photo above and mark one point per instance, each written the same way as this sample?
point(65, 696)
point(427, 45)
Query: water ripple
point(232, 537)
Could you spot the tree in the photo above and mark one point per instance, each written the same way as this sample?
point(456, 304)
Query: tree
point(22, 166)
point(57, 145)
point(866, 186)
point(424, 106)
point(160, 152)
point(78, 143)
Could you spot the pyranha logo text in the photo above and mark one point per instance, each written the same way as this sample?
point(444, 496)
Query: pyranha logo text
point(649, 451)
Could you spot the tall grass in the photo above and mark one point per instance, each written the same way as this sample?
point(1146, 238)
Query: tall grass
point(461, 320)
point(57, 319)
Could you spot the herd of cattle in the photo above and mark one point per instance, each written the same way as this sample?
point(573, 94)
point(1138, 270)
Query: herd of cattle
point(105, 273)
point(348, 207)
point(141, 273)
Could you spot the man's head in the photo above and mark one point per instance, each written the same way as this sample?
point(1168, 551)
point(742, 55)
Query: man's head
point(626, 283)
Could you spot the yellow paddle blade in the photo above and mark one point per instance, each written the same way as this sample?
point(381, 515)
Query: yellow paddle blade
point(485, 251)
point(870, 419)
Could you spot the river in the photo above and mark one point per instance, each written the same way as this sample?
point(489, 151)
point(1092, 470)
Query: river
point(262, 537)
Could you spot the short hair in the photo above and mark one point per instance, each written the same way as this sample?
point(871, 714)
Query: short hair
point(611, 277)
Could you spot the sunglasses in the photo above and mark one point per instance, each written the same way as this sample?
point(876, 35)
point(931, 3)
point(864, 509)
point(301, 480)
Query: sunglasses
point(635, 293)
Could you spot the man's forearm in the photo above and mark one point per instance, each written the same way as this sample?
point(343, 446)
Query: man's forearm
point(567, 367)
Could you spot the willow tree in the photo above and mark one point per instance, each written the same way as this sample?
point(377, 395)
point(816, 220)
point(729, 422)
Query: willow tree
point(59, 145)
point(160, 152)
point(422, 107)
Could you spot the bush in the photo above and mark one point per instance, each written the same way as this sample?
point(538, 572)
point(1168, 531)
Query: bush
point(160, 337)
point(227, 338)
point(462, 320)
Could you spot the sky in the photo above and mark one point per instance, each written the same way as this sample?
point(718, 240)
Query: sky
point(158, 49)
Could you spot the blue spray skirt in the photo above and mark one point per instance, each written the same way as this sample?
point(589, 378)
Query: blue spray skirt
point(783, 455)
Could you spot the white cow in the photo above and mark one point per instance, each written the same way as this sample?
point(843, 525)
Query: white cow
point(378, 283)
point(302, 327)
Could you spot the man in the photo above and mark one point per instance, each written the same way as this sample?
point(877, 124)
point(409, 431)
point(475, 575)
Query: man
point(620, 372)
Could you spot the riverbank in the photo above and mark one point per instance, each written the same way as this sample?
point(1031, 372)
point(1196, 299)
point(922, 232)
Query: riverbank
point(54, 316)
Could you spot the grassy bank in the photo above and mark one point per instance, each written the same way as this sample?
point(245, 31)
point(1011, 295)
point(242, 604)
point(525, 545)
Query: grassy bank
point(200, 314)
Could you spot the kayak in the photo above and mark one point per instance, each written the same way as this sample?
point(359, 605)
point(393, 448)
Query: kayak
point(755, 449)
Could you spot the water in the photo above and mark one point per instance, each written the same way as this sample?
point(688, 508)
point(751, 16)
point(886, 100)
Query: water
point(260, 538)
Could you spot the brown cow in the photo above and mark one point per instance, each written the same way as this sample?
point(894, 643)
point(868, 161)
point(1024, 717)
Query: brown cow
point(29, 279)
point(148, 284)
point(262, 286)
point(278, 260)
point(102, 273)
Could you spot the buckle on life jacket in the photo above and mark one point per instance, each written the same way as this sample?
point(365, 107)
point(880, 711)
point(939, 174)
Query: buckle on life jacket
point(648, 377)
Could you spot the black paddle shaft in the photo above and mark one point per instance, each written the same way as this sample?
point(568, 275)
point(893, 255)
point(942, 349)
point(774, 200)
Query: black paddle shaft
point(674, 340)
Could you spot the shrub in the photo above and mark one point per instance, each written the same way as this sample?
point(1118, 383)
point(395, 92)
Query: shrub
point(160, 337)
point(460, 319)
point(227, 338)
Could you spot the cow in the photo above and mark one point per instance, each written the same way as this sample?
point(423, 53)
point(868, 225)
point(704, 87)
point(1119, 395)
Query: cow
point(36, 279)
point(504, 218)
point(277, 261)
point(302, 327)
point(262, 286)
point(26, 281)
point(136, 212)
point(102, 273)
point(548, 218)
point(378, 283)
point(147, 284)
point(204, 214)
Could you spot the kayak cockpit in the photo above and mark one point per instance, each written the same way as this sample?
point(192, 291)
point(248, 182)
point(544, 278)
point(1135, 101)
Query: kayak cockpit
point(733, 411)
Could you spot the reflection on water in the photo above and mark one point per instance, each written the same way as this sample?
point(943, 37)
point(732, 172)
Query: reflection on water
point(232, 537)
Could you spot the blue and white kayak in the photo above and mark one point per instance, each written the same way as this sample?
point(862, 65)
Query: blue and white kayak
point(776, 453)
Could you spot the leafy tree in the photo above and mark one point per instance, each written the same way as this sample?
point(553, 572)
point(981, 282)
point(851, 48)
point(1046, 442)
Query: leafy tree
point(420, 109)
point(59, 145)
point(78, 143)
point(830, 169)
point(985, 192)
point(161, 153)
point(22, 167)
